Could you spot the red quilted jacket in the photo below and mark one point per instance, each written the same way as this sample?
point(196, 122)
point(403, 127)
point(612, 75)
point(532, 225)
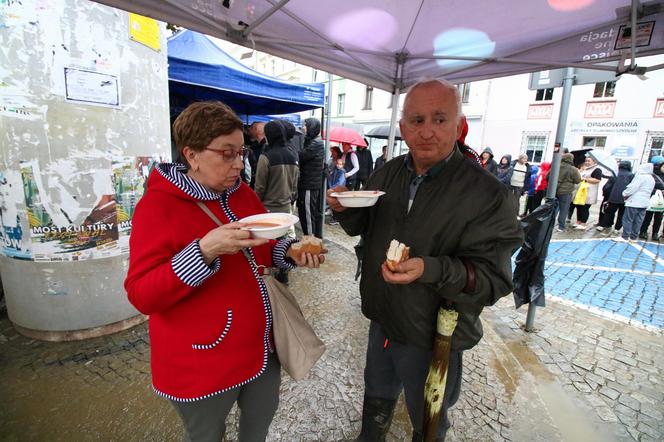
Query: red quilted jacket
point(210, 331)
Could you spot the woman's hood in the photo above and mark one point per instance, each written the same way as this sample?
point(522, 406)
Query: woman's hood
point(276, 133)
point(645, 168)
point(313, 127)
point(509, 160)
point(568, 158)
point(625, 165)
point(545, 167)
point(488, 150)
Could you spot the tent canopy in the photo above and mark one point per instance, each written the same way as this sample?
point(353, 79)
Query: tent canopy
point(199, 70)
point(392, 44)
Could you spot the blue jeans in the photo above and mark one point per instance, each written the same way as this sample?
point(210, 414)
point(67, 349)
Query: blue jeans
point(563, 206)
point(632, 220)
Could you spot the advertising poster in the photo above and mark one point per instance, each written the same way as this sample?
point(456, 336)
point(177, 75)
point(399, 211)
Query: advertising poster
point(95, 237)
point(129, 177)
point(15, 244)
point(89, 87)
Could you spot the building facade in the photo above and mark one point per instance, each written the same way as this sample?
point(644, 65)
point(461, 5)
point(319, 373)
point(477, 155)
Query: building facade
point(624, 117)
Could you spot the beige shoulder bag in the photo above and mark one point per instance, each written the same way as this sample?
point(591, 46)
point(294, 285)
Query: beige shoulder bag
point(298, 347)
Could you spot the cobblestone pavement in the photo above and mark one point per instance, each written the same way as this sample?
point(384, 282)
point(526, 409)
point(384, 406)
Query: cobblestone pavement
point(577, 377)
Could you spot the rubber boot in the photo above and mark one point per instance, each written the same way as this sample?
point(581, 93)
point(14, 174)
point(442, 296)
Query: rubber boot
point(418, 437)
point(376, 419)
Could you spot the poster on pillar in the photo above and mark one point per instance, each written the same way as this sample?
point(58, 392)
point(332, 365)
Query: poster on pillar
point(129, 176)
point(15, 243)
point(71, 211)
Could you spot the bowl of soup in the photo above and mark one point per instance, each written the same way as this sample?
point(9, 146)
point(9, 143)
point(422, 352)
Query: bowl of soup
point(358, 198)
point(269, 225)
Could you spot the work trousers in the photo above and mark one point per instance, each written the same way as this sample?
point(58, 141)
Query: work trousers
point(392, 367)
point(309, 211)
point(610, 214)
point(632, 220)
point(205, 420)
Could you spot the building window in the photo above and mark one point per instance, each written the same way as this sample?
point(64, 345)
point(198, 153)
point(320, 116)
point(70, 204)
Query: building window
point(535, 146)
point(368, 98)
point(341, 102)
point(544, 94)
point(604, 89)
point(594, 142)
point(464, 91)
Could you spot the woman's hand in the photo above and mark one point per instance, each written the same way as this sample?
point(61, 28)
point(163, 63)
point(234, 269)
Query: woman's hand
point(227, 240)
point(307, 259)
point(334, 202)
point(405, 272)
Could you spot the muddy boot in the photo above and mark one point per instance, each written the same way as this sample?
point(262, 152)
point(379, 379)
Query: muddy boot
point(376, 419)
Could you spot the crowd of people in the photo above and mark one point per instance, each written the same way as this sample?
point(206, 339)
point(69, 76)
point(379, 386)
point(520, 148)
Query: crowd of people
point(629, 201)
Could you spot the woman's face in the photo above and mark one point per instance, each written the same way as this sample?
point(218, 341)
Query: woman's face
point(485, 155)
point(212, 168)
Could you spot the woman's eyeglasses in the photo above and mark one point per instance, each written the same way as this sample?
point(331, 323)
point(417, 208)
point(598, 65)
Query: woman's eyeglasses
point(230, 155)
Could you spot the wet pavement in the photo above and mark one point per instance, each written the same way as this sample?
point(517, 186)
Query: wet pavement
point(580, 376)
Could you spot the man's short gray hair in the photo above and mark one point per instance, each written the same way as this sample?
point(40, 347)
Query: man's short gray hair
point(446, 84)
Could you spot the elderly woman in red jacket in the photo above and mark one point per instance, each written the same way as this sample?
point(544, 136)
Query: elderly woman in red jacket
point(210, 318)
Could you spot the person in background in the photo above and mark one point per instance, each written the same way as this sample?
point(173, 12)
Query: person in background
point(541, 183)
point(351, 165)
point(256, 147)
point(337, 177)
point(277, 175)
point(637, 198)
point(530, 189)
point(592, 175)
point(520, 178)
point(309, 186)
point(504, 170)
point(487, 160)
point(335, 154)
point(658, 174)
point(614, 188)
point(192, 278)
point(380, 161)
point(568, 178)
point(365, 161)
point(460, 226)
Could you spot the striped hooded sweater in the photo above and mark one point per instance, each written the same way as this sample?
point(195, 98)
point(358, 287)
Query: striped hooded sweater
point(210, 326)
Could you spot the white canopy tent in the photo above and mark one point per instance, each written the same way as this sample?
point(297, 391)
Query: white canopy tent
point(391, 44)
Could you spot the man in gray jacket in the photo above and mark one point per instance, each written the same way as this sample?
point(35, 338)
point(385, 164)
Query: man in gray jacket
point(461, 229)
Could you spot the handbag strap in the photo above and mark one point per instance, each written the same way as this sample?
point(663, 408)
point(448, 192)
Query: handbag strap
point(214, 218)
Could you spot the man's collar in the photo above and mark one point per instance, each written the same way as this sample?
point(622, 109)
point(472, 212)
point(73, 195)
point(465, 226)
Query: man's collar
point(433, 171)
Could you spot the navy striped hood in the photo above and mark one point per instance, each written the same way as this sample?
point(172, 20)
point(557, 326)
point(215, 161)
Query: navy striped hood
point(175, 173)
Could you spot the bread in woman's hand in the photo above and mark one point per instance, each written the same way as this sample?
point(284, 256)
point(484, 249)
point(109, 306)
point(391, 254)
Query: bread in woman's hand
point(396, 253)
point(308, 244)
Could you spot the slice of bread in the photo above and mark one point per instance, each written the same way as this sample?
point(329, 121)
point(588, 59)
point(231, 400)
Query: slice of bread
point(308, 244)
point(396, 253)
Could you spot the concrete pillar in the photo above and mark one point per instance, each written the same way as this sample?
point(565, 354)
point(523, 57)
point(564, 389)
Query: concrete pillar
point(83, 116)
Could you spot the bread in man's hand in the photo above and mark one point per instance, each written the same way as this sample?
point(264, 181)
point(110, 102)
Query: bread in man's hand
point(308, 244)
point(396, 253)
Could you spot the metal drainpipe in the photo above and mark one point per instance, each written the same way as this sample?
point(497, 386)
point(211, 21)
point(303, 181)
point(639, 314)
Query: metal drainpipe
point(568, 82)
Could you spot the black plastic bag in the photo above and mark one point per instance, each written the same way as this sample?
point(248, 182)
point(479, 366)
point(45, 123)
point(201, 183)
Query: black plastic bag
point(528, 277)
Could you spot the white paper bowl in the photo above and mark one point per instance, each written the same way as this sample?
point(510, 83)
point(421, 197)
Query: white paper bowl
point(358, 198)
point(285, 221)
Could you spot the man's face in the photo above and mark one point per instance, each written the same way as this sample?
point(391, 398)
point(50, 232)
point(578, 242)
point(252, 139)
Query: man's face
point(257, 131)
point(486, 155)
point(430, 124)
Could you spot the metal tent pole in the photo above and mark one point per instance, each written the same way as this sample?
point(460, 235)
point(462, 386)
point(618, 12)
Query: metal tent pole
point(568, 82)
point(327, 148)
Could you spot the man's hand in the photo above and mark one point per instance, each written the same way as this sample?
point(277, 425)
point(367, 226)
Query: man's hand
point(405, 272)
point(334, 202)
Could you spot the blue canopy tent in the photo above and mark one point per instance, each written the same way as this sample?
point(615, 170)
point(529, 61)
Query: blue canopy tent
point(199, 70)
